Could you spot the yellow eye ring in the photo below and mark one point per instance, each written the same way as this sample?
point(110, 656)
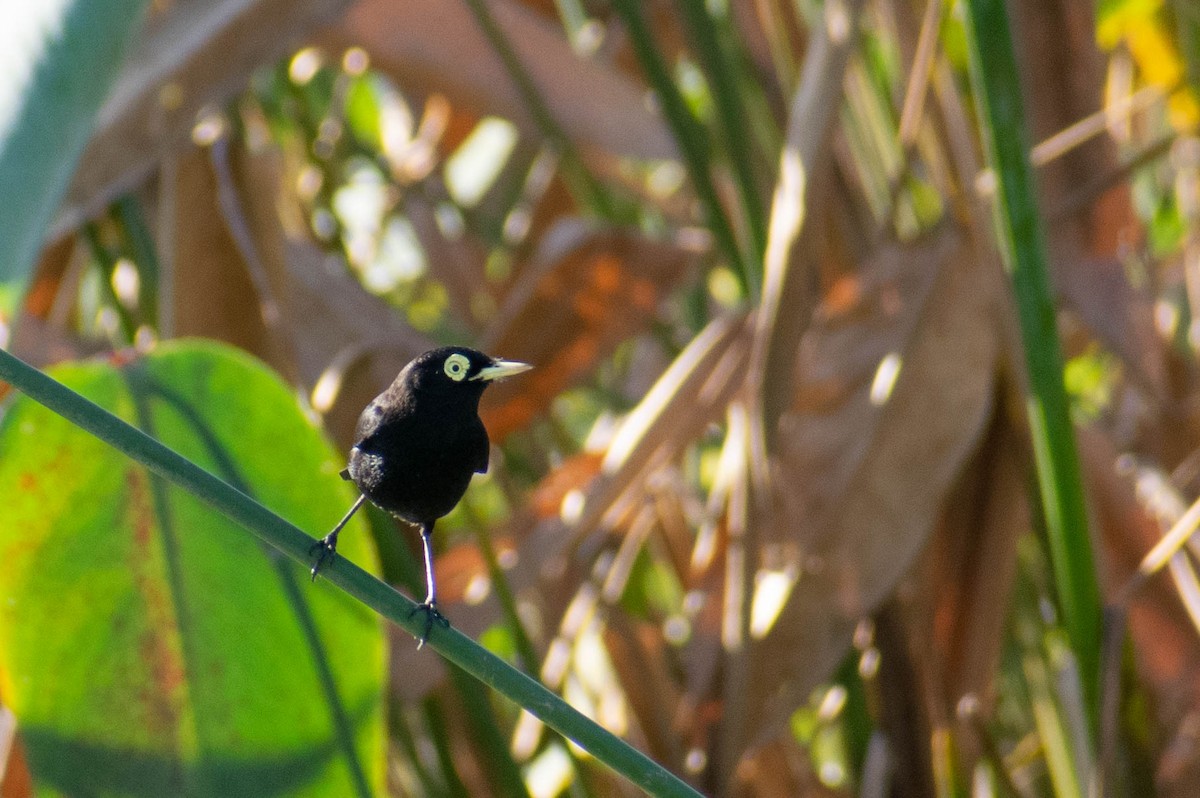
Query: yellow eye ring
point(456, 367)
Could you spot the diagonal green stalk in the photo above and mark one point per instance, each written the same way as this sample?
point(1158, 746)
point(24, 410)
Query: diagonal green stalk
point(692, 141)
point(454, 646)
point(1021, 240)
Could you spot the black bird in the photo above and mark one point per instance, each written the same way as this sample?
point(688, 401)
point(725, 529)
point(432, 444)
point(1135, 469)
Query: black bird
point(417, 445)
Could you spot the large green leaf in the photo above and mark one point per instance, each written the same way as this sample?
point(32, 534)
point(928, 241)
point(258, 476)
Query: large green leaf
point(58, 59)
point(147, 645)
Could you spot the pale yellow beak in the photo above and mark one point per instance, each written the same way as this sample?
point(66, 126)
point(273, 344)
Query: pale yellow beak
point(501, 369)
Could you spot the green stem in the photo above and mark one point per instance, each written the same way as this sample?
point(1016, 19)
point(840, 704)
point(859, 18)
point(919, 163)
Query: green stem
point(1021, 240)
point(692, 141)
point(293, 542)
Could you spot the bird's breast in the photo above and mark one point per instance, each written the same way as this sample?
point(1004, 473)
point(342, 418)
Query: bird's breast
point(418, 473)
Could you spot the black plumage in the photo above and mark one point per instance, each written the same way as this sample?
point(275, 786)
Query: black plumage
point(417, 445)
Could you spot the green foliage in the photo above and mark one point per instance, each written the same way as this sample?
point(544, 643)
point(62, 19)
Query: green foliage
point(63, 56)
point(147, 644)
point(1090, 379)
point(367, 97)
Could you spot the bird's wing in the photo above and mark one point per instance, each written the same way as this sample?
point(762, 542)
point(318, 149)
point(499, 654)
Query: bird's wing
point(369, 422)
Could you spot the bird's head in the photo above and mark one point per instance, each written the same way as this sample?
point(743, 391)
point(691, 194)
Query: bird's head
point(458, 370)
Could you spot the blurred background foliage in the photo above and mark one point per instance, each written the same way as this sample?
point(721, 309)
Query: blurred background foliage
point(767, 506)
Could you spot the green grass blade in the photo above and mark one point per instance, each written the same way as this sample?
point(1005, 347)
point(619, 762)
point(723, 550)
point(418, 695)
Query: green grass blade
point(454, 646)
point(997, 92)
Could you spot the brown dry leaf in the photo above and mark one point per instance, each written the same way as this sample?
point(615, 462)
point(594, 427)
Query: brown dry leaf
point(437, 46)
point(861, 485)
point(957, 599)
point(574, 473)
point(783, 769)
point(322, 316)
point(197, 53)
point(458, 567)
point(689, 395)
point(801, 198)
point(584, 292)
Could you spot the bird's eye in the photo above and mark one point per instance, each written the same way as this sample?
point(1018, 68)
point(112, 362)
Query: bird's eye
point(456, 367)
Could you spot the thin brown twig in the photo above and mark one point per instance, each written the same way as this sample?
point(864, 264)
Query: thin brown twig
point(1092, 125)
point(918, 77)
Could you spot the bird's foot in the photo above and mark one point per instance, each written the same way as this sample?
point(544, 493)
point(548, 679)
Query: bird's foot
point(432, 616)
point(325, 549)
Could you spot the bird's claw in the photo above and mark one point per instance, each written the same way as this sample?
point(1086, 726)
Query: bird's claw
point(327, 546)
point(432, 616)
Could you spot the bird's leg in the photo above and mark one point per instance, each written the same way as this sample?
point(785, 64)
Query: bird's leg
point(429, 607)
point(328, 544)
